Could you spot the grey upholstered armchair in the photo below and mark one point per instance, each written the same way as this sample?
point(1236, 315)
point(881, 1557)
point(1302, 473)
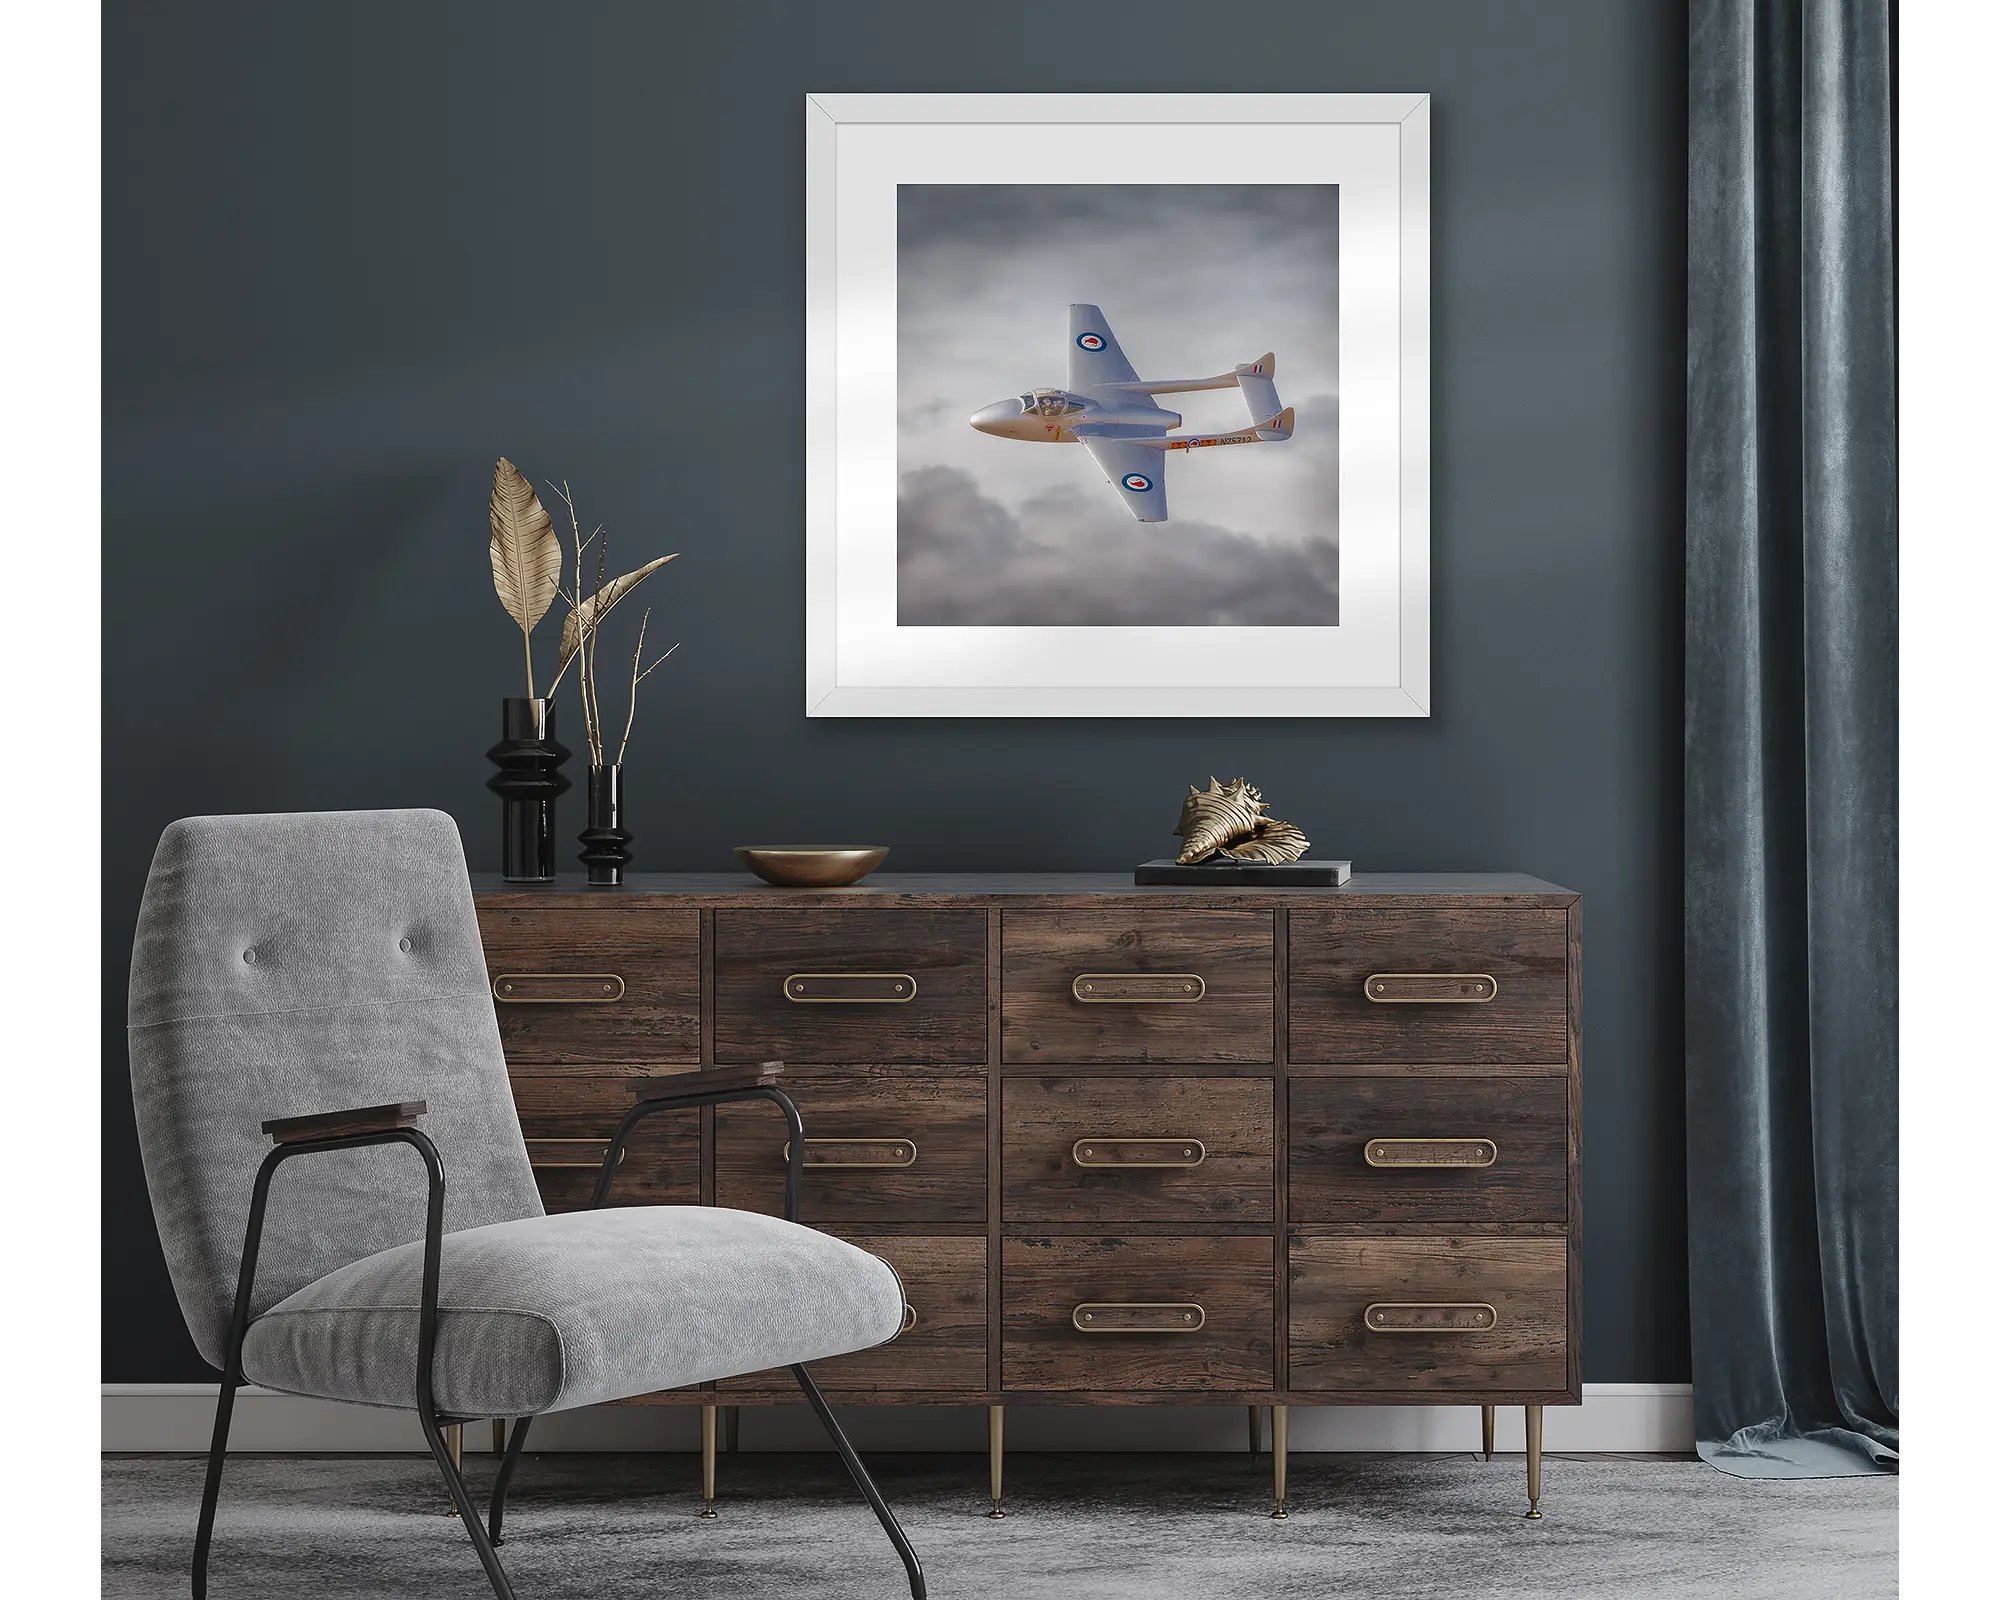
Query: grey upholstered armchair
point(308, 998)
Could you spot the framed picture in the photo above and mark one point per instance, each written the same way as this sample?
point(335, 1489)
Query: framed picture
point(1215, 309)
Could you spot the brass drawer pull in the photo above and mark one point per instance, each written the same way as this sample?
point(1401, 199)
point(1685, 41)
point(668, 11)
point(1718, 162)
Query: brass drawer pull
point(558, 988)
point(1181, 1153)
point(1141, 1316)
point(558, 1166)
point(1392, 1316)
point(1430, 988)
point(909, 1316)
point(850, 988)
point(857, 1152)
point(1430, 1152)
point(1138, 988)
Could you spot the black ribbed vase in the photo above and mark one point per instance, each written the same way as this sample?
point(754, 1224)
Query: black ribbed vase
point(605, 853)
point(530, 777)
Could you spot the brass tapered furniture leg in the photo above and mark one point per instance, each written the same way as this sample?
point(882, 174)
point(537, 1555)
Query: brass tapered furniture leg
point(1534, 1463)
point(454, 1444)
point(1256, 1431)
point(996, 1446)
point(708, 1462)
point(1486, 1430)
point(1281, 1438)
point(499, 1436)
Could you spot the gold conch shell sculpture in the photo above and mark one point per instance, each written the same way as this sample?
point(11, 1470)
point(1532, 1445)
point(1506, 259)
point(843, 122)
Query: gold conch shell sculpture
point(1230, 821)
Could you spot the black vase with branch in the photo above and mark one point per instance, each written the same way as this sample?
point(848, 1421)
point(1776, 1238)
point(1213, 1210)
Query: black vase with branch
point(606, 841)
point(527, 559)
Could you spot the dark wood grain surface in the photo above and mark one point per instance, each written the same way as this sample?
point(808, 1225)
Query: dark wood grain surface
point(1044, 1118)
point(1333, 953)
point(655, 952)
point(568, 1120)
point(1334, 1280)
point(944, 1282)
point(338, 1124)
point(1333, 1120)
point(944, 952)
point(942, 1116)
point(708, 1080)
point(1042, 954)
point(1045, 1279)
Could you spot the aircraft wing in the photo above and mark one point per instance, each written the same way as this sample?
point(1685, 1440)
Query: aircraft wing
point(1094, 356)
point(1136, 469)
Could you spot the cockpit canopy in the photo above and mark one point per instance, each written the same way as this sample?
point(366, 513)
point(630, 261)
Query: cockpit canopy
point(1050, 403)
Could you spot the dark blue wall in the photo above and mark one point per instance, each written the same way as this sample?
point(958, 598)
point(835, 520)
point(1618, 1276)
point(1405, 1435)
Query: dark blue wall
point(352, 253)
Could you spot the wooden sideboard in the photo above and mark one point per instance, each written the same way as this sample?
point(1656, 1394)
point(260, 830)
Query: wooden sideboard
point(1126, 1146)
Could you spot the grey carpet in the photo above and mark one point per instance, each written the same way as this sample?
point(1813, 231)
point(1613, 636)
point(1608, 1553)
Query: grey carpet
point(1114, 1526)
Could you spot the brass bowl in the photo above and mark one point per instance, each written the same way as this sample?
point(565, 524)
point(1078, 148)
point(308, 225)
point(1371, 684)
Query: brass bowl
point(806, 866)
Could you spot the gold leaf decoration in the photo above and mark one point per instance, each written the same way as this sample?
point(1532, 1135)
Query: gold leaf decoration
point(578, 624)
point(527, 555)
point(1274, 841)
point(1217, 816)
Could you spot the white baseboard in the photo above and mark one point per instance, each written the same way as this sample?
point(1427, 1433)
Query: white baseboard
point(176, 1417)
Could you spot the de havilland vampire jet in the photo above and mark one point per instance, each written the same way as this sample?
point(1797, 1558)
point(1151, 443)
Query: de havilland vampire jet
point(1108, 409)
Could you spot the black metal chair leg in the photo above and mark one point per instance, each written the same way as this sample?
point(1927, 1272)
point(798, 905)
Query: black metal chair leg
point(454, 1482)
point(866, 1484)
point(211, 1489)
point(508, 1463)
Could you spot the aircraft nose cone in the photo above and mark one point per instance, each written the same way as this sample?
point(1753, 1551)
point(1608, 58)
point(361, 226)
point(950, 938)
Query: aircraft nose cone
point(991, 419)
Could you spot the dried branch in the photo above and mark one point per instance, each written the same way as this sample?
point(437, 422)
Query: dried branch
point(632, 701)
point(580, 627)
point(670, 649)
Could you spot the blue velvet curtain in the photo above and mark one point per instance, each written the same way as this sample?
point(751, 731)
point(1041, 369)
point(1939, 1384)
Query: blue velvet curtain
point(1791, 735)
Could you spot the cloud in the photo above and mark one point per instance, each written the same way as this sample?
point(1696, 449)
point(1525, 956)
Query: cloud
point(926, 414)
point(1192, 279)
point(966, 560)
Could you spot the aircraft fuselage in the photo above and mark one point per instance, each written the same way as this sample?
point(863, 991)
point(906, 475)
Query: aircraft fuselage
point(1046, 416)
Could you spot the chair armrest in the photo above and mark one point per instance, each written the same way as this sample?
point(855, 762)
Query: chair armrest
point(355, 1129)
point(711, 1080)
point(341, 1124)
point(712, 1087)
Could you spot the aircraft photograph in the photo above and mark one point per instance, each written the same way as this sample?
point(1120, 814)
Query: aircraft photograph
point(1127, 319)
point(1108, 409)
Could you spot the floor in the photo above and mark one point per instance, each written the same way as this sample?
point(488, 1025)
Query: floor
point(1120, 1527)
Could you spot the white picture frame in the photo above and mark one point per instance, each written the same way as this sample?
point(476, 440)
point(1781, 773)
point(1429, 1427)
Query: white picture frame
point(1375, 663)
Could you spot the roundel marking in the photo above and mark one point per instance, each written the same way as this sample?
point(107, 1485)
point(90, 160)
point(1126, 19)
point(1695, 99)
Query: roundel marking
point(1137, 482)
point(1090, 341)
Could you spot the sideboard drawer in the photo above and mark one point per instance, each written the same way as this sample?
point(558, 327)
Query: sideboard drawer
point(851, 986)
point(901, 1147)
point(1114, 1150)
point(1190, 987)
point(1428, 1315)
point(595, 988)
point(1471, 986)
point(568, 1122)
point(944, 1344)
point(1421, 1149)
point(1159, 1314)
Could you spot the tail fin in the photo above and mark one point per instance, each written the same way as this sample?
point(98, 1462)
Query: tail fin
point(1260, 391)
point(1276, 428)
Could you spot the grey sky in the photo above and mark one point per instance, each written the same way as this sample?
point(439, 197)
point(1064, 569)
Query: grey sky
point(1192, 279)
